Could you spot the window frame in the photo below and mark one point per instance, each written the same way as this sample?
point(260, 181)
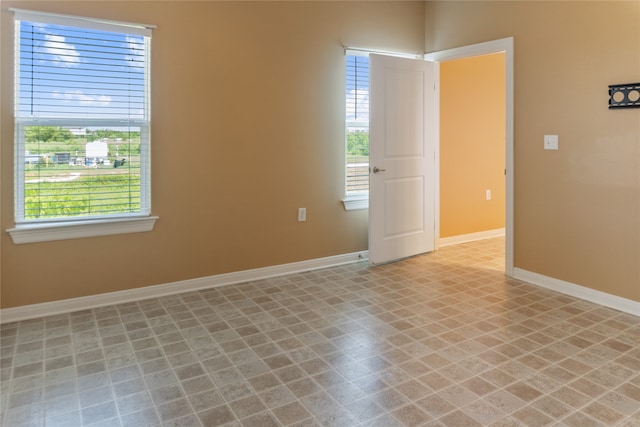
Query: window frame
point(353, 200)
point(31, 231)
point(357, 200)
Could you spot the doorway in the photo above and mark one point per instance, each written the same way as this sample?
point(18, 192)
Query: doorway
point(472, 148)
point(504, 46)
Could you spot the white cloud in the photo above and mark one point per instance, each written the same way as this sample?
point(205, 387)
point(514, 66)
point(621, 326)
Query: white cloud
point(358, 98)
point(83, 99)
point(134, 58)
point(61, 51)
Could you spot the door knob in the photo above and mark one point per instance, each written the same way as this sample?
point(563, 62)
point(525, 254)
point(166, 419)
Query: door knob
point(377, 169)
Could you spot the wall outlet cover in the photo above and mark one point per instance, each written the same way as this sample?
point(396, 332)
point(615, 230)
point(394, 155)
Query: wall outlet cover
point(551, 142)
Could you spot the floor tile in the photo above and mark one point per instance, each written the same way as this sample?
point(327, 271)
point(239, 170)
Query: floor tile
point(441, 339)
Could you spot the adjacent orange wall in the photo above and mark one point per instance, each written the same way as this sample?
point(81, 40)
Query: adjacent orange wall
point(472, 144)
point(247, 126)
point(577, 210)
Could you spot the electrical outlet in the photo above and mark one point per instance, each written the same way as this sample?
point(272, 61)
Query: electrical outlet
point(302, 214)
point(487, 194)
point(551, 142)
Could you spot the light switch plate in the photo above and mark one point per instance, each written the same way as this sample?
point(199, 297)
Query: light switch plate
point(302, 214)
point(551, 142)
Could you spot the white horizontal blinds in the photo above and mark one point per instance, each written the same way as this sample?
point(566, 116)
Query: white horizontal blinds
point(75, 72)
point(82, 115)
point(357, 122)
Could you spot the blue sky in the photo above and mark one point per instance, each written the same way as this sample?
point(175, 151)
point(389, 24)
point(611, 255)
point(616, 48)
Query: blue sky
point(75, 72)
point(357, 90)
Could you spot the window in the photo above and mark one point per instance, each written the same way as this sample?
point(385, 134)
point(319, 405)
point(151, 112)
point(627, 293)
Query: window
point(357, 125)
point(82, 122)
point(357, 130)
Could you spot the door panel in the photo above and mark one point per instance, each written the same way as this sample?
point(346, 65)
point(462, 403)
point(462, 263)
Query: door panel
point(402, 192)
point(404, 111)
point(402, 151)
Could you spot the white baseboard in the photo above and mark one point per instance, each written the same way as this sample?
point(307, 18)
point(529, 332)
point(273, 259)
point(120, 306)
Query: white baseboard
point(14, 314)
point(578, 291)
point(471, 237)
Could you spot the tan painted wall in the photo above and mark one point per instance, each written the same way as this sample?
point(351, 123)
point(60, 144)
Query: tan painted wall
point(255, 92)
point(472, 144)
point(577, 210)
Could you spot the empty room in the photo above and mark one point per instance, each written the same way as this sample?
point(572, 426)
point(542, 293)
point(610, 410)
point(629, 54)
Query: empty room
point(293, 213)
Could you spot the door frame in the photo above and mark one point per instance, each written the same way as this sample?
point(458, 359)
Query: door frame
point(505, 46)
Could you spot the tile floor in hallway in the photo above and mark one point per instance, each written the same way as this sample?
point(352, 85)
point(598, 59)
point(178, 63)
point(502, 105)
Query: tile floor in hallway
point(442, 339)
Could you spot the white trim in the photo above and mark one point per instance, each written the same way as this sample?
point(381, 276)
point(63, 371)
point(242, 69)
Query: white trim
point(358, 51)
point(33, 233)
point(436, 159)
point(579, 291)
point(471, 237)
point(83, 303)
point(495, 46)
point(352, 203)
point(82, 21)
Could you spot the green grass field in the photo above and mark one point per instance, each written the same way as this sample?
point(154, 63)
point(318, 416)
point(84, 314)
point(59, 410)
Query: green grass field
point(82, 196)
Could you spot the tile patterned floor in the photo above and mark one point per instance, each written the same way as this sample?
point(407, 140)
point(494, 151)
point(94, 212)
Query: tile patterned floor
point(442, 339)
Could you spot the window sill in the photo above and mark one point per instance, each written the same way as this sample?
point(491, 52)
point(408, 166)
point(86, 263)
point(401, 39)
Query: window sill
point(33, 233)
point(356, 202)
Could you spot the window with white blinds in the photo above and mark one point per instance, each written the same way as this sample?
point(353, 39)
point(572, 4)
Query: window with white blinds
point(357, 123)
point(82, 118)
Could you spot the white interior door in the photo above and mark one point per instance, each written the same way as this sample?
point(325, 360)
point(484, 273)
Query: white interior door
point(402, 142)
